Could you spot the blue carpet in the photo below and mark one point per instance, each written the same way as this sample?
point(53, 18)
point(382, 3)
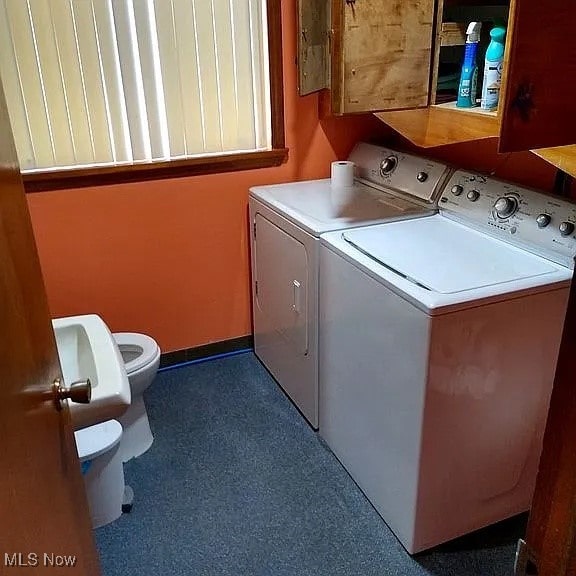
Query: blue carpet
point(236, 483)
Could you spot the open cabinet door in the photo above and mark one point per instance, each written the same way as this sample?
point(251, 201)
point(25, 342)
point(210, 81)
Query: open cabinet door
point(381, 54)
point(539, 104)
point(313, 46)
point(551, 536)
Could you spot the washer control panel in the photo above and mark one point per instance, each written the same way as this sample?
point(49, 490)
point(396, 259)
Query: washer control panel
point(542, 223)
point(409, 175)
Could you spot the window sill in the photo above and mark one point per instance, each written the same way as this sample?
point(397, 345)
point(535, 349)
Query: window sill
point(106, 175)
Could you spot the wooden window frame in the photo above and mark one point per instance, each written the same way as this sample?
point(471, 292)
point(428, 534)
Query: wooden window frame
point(105, 175)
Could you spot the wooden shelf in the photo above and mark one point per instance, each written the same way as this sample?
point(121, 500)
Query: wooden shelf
point(476, 110)
point(563, 157)
point(442, 124)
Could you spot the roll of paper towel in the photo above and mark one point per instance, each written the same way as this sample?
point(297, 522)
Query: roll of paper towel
point(342, 174)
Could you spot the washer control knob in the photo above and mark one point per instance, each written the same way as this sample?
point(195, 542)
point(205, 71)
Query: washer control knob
point(473, 195)
point(388, 165)
point(543, 220)
point(505, 206)
point(457, 190)
point(422, 176)
point(566, 228)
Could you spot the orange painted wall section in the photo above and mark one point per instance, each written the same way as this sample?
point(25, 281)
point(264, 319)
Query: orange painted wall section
point(522, 167)
point(170, 258)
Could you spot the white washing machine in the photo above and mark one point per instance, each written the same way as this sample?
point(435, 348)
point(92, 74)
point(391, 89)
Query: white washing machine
point(287, 221)
point(439, 344)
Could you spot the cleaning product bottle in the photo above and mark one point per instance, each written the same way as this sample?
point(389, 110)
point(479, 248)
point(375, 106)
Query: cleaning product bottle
point(469, 74)
point(493, 69)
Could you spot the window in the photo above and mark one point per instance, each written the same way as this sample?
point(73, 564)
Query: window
point(103, 86)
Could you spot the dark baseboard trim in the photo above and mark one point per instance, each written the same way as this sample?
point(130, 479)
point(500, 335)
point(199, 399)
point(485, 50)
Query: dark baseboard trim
point(169, 359)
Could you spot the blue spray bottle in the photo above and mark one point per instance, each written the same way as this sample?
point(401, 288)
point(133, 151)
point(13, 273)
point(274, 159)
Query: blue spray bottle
point(493, 69)
point(469, 74)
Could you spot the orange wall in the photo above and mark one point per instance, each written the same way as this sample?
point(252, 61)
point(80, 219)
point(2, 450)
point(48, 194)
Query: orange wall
point(170, 258)
point(522, 167)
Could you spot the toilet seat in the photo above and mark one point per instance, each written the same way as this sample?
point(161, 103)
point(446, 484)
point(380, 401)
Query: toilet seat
point(95, 440)
point(141, 356)
point(138, 350)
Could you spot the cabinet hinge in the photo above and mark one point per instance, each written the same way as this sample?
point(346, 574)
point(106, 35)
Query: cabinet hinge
point(256, 287)
point(524, 563)
point(254, 229)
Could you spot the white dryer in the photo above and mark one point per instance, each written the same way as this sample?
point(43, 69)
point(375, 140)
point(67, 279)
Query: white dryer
point(439, 344)
point(286, 222)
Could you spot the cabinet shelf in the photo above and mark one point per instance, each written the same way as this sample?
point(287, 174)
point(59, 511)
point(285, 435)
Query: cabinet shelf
point(443, 124)
point(563, 158)
point(477, 110)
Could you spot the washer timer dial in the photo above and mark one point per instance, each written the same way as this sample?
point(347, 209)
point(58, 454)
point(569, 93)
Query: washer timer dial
point(505, 206)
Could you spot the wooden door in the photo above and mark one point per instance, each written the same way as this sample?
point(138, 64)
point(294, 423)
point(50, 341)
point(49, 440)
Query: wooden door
point(381, 54)
point(551, 535)
point(44, 519)
point(539, 105)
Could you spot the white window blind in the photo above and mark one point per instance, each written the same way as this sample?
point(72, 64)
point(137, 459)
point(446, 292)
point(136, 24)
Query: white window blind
point(107, 82)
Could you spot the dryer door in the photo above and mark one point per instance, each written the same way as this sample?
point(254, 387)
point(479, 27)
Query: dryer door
point(281, 270)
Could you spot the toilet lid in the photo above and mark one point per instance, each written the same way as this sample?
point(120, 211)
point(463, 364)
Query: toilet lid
point(141, 349)
point(95, 440)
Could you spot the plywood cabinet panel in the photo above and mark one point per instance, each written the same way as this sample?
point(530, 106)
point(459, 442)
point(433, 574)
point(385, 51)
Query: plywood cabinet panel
point(313, 45)
point(384, 57)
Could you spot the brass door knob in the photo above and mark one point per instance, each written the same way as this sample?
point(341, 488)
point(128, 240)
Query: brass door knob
point(79, 392)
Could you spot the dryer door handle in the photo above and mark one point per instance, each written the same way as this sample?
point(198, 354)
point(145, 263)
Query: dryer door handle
point(296, 296)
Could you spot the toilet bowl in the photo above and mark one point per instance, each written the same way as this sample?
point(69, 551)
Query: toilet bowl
point(98, 449)
point(141, 355)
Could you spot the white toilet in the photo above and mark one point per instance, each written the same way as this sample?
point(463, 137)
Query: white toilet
point(99, 453)
point(141, 355)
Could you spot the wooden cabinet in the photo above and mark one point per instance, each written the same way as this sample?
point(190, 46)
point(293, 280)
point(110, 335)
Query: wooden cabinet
point(393, 58)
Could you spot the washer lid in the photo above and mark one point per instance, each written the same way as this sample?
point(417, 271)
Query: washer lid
point(444, 256)
point(96, 440)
